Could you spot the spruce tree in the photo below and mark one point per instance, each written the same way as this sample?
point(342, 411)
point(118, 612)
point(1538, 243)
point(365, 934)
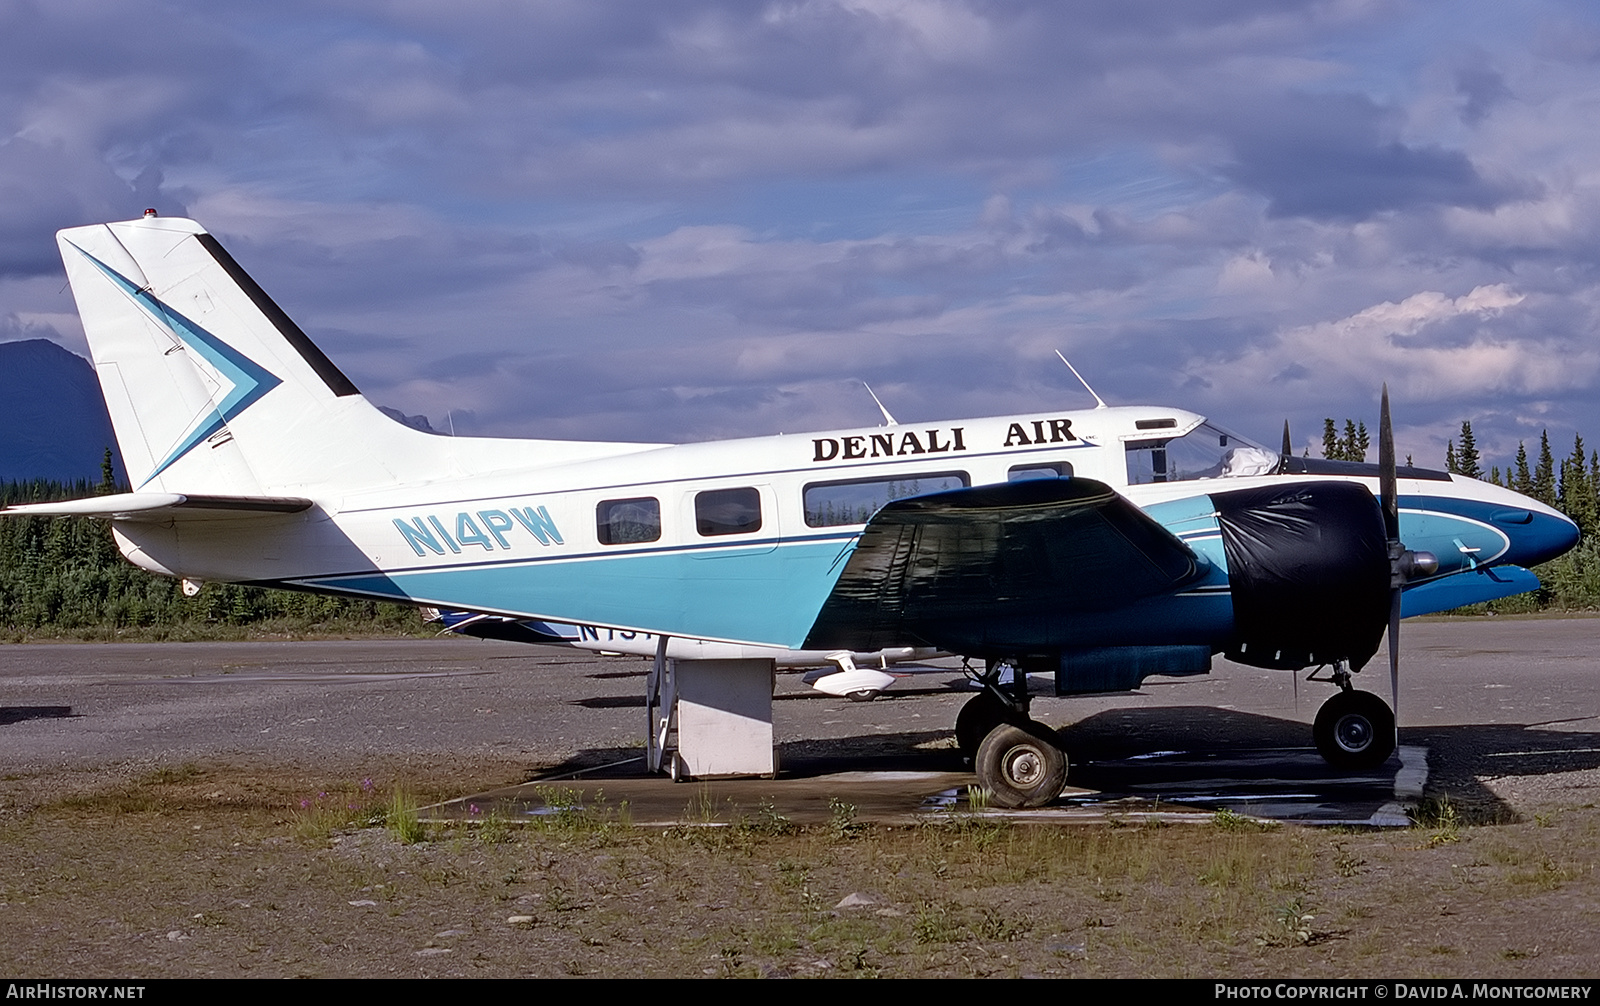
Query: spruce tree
point(1544, 473)
point(1450, 457)
point(1330, 440)
point(1361, 443)
point(108, 476)
point(1594, 480)
point(1467, 460)
point(1522, 482)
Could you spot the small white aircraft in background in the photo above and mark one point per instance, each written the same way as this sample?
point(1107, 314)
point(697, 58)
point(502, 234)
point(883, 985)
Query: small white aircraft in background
point(1098, 546)
point(852, 676)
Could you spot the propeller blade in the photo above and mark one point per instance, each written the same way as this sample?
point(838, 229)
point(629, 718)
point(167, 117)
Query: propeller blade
point(1388, 494)
point(1288, 442)
point(1394, 660)
point(1389, 501)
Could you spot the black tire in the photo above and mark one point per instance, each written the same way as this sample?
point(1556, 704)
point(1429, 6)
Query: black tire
point(863, 695)
point(982, 713)
point(1354, 730)
point(1019, 766)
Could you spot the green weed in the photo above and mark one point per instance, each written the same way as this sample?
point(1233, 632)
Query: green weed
point(842, 823)
point(1292, 927)
point(935, 923)
point(769, 822)
point(401, 817)
point(1440, 814)
point(1229, 820)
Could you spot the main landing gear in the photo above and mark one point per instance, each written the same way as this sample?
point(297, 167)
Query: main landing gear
point(1016, 759)
point(1353, 730)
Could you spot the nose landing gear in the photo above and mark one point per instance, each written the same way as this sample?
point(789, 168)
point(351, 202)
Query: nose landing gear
point(1353, 730)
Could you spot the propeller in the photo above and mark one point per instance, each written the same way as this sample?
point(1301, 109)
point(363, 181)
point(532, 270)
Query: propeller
point(1288, 449)
point(1404, 564)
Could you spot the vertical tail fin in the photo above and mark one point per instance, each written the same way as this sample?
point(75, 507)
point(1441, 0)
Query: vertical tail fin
point(210, 386)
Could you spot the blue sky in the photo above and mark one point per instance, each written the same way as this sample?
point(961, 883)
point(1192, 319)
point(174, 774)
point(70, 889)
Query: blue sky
point(692, 219)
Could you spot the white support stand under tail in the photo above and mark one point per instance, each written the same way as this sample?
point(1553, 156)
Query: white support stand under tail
point(724, 718)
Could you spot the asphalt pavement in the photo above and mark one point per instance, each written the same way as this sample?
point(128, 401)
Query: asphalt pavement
point(1493, 709)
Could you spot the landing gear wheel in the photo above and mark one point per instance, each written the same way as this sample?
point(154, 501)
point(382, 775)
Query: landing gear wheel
point(982, 713)
point(1354, 730)
point(863, 695)
point(1019, 767)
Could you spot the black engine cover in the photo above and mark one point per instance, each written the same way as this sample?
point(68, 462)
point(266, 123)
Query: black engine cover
point(1309, 569)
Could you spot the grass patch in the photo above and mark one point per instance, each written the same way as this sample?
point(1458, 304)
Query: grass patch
point(970, 896)
point(316, 817)
point(401, 817)
point(1440, 814)
point(1229, 820)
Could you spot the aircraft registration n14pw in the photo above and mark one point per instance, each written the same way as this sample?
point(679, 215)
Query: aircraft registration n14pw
point(1100, 546)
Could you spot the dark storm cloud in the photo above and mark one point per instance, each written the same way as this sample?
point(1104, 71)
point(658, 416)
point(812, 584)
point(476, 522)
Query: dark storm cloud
point(1337, 157)
point(1482, 87)
point(679, 96)
point(44, 187)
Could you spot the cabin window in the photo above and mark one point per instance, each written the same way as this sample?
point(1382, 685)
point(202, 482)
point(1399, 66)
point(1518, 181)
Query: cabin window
point(727, 511)
point(627, 522)
point(1050, 470)
point(830, 504)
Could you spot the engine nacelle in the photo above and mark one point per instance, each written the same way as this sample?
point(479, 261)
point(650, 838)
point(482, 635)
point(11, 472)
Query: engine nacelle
point(1309, 569)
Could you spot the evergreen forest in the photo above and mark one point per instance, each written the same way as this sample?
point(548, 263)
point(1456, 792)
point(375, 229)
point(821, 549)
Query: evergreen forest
point(63, 578)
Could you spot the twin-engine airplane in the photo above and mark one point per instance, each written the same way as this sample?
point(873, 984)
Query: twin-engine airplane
point(1100, 546)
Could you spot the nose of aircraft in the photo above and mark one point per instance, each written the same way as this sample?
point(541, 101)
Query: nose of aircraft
point(1537, 535)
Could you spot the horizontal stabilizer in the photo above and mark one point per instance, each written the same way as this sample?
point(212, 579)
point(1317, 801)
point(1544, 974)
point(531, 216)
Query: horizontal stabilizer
point(161, 507)
point(927, 566)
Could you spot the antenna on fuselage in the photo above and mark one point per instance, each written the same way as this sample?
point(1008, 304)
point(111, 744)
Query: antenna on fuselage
point(1099, 402)
point(887, 419)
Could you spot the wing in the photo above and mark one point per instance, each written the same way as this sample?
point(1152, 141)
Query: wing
point(927, 564)
point(162, 507)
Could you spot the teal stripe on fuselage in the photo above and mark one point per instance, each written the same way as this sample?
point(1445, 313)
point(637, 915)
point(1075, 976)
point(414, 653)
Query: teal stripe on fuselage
point(770, 592)
point(754, 595)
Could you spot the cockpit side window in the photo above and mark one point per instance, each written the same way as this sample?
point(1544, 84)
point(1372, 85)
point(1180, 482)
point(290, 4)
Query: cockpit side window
point(1147, 462)
point(1205, 452)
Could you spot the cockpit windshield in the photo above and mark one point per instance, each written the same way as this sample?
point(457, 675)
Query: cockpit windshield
point(1205, 452)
